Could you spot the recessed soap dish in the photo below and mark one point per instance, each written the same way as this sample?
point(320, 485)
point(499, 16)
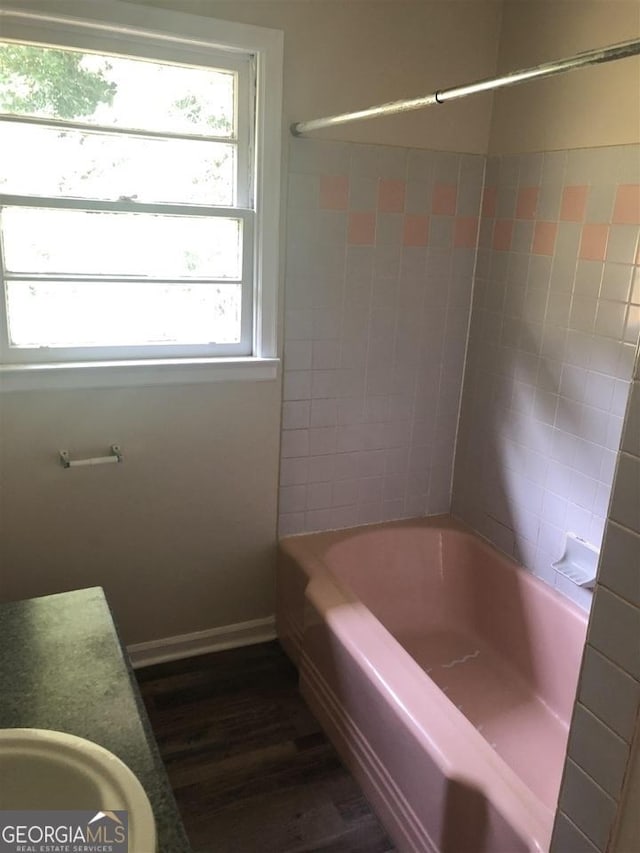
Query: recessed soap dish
point(579, 561)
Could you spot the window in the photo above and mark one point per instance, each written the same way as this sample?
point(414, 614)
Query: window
point(135, 170)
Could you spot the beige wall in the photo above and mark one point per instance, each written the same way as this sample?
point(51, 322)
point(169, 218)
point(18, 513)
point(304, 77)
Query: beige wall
point(342, 55)
point(585, 108)
point(181, 535)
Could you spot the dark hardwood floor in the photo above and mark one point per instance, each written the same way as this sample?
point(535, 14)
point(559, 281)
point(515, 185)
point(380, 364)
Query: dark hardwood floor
point(251, 770)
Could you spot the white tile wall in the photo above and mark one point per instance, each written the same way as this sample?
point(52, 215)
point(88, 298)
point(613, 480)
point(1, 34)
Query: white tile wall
point(587, 805)
point(614, 630)
point(606, 718)
point(380, 258)
point(620, 571)
point(609, 692)
point(569, 838)
point(601, 753)
point(553, 337)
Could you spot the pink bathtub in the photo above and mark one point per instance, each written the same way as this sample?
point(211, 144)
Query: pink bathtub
point(444, 674)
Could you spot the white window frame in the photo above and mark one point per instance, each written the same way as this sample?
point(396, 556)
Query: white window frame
point(100, 25)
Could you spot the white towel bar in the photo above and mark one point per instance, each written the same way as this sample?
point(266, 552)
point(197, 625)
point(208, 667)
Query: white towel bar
point(116, 456)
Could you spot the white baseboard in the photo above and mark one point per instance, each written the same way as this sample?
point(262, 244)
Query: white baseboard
point(202, 642)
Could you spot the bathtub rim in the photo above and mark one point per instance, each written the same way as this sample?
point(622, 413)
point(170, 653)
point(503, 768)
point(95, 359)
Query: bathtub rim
point(293, 546)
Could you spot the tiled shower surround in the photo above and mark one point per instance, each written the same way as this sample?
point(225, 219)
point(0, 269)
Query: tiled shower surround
point(380, 255)
point(553, 336)
point(380, 262)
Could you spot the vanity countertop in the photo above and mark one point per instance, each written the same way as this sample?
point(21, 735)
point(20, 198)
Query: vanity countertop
point(62, 667)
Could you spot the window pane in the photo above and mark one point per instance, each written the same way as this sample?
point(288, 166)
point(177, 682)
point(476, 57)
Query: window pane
point(79, 242)
point(111, 90)
point(75, 314)
point(104, 166)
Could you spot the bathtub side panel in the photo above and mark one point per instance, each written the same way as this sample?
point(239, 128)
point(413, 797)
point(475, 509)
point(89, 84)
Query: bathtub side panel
point(424, 804)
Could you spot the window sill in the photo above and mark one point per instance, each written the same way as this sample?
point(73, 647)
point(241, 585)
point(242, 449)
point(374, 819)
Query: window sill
point(120, 374)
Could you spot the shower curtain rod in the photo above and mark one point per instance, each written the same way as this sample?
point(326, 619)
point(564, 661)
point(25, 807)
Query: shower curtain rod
point(546, 69)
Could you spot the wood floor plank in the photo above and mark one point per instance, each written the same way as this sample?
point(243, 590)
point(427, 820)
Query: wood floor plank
point(251, 769)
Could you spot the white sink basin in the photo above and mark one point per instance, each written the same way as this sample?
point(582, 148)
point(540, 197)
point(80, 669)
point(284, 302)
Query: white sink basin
point(42, 769)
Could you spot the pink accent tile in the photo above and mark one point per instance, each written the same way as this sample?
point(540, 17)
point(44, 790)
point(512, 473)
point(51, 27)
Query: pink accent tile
point(444, 200)
point(527, 202)
point(391, 196)
point(465, 232)
point(627, 206)
point(489, 202)
point(574, 204)
point(416, 230)
point(502, 234)
point(544, 238)
point(593, 245)
point(334, 192)
point(362, 229)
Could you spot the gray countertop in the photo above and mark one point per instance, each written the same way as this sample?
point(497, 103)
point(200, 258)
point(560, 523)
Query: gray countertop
point(62, 667)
